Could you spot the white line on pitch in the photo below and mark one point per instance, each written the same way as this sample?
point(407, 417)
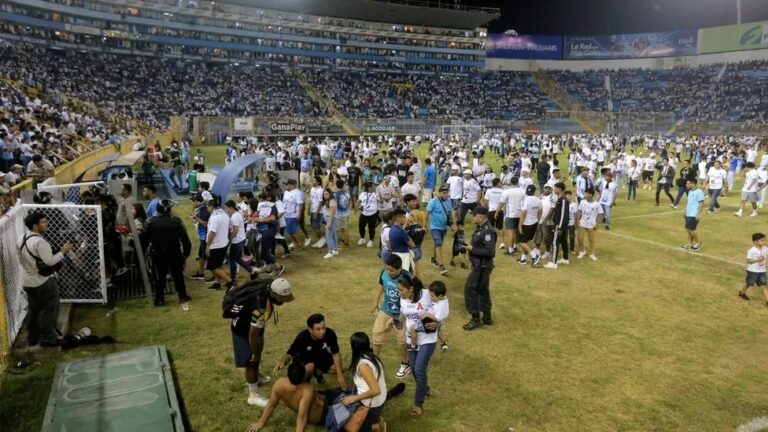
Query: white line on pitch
point(678, 249)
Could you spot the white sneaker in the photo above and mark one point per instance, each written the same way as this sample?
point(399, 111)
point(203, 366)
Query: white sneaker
point(264, 379)
point(563, 261)
point(361, 242)
point(322, 242)
point(336, 252)
point(581, 255)
point(185, 306)
point(111, 312)
point(545, 255)
point(290, 246)
point(753, 214)
point(257, 400)
point(369, 244)
point(307, 241)
point(403, 371)
point(502, 246)
point(317, 244)
point(328, 255)
point(737, 214)
point(593, 257)
point(550, 265)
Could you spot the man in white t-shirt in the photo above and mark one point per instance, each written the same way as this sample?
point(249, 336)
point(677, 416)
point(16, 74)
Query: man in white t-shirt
point(237, 234)
point(216, 244)
point(715, 181)
point(492, 200)
point(293, 199)
point(511, 203)
point(410, 186)
point(470, 194)
point(315, 215)
point(588, 217)
point(756, 267)
point(530, 213)
point(455, 187)
point(749, 190)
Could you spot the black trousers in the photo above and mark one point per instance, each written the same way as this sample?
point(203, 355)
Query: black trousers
point(368, 221)
point(43, 310)
point(559, 242)
point(174, 265)
point(665, 187)
point(477, 292)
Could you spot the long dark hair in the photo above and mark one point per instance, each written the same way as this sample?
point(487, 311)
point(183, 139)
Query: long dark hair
point(414, 284)
point(326, 202)
point(361, 350)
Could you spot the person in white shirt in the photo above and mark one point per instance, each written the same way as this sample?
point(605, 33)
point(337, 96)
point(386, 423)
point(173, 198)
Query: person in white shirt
point(749, 190)
point(510, 203)
point(588, 217)
point(368, 206)
point(455, 187)
point(530, 213)
point(315, 216)
point(492, 199)
point(470, 195)
point(756, 266)
point(525, 179)
point(410, 186)
point(716, 178)
point(762, 182)
point(609, 189)
point(386, 195)
point(649, 164)
point(217, 242)
point(237, 236)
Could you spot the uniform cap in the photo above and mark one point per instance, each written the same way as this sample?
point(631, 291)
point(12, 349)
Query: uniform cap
point(480, 211)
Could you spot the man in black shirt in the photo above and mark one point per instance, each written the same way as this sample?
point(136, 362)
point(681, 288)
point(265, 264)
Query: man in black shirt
point(318, 349)
point(353, 180)
point(477, 294)
point(542, 171)
point(402, 170)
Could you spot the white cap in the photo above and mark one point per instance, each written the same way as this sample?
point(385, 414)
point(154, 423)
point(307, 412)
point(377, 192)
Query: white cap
point(282, 288)
point(467, 171)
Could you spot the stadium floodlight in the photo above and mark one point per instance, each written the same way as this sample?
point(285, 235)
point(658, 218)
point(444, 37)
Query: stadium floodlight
point(510, 32)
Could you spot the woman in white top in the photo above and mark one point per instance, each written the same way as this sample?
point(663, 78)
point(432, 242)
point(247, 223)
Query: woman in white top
point(368, 205)
point(415, 302)
point(369, 380)
point(717, 176)
point(633, 176)
point(237, 239)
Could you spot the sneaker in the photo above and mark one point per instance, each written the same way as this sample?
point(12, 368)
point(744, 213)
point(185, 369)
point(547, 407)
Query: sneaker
point(592, 257)
point(279, 270)
point(685, 246)
point(443, 270)
point(328, 255)
point(473, 324)
point(522, 261)
point(369, 244)
point(403, 371)
point(185, 306)
point(581, 254)
point(697, 247)
point(753, 214)
point(737, 214)
point(335, 251)
point(673, 205)
point(307, 241)
point(197, 276)
point(535, 260)
point(361, 242)
point(121, 271)
point(264, 379)
point(550, 265)
point(508, 253)
point(502, 246)
point(443, 347)
point(546, 255)
point(111, 312)
point(257, 400)
point(320, 243)
point(291, 246)
point(210, 279)
point(744, 296)
point(214, 286)
point(563, 261)
point(433, 261)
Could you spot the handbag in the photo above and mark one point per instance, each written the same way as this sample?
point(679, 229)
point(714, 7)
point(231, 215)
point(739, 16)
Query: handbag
point(42, 268)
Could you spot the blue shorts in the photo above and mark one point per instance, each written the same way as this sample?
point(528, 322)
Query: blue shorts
point(455, 203)
point(291, 225)
point(438, 235)
point(691, 223)
point(315, 220)
point(242, 350)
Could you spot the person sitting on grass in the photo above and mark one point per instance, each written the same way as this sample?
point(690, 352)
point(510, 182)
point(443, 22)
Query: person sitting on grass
point(756, 267)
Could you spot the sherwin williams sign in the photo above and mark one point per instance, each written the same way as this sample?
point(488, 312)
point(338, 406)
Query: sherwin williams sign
point(733, 38)
point(637, 45)
point(524, 47)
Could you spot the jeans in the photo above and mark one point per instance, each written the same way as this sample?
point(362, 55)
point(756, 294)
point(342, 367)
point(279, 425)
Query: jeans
point(236, 257)
point(681, 190)
point(607, 209)
point(620, 178)
point(632, 190)
point(713, 195)
point(43, 311)
point(267, 245)
point(419, 361)
point(729, 179)
point(330, 234)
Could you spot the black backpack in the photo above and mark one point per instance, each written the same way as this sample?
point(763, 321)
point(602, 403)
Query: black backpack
point(416, 232)
point(241, 297)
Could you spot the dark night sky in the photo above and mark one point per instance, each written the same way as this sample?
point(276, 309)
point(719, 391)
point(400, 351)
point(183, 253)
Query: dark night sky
point(584, 17)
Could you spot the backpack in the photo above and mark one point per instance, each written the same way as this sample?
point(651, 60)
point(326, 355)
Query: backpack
point(236, 299)
point(416, 232)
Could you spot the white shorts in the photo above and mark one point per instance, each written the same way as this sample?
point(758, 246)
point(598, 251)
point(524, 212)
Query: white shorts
point(304, 179)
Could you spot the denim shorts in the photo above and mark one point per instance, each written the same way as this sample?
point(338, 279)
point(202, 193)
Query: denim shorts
point(315, 220)
point(438, 235)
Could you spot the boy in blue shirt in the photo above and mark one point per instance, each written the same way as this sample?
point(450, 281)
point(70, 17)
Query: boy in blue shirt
point(693, 209)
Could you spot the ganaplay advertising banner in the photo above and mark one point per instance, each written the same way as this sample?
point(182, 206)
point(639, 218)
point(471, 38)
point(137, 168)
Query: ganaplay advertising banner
point(524, 47)
point(637, 45)
point(733, 38)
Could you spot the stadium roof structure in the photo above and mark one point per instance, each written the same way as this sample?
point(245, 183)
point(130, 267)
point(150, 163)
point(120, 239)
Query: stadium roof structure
point(415, 12)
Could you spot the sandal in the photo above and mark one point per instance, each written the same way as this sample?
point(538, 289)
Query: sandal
point(417, 411)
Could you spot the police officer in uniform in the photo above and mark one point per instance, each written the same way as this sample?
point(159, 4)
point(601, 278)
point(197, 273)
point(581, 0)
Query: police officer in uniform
point(170, 249)
point(477, 295)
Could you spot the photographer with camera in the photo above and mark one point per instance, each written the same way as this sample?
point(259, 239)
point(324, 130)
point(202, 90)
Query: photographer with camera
point(39, 266)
